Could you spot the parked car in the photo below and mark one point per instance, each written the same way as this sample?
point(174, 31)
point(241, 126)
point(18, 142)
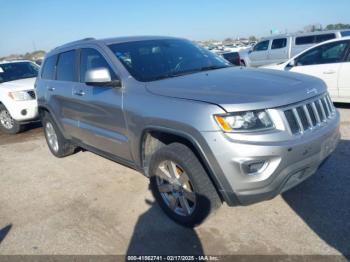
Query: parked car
point(232, 57)
point(202, 130)
point(329, 61)
point(18, 105)
point(280, 48)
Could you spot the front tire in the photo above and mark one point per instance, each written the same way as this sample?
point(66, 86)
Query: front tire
point(58, 145)
point(181, 185)
point(8, 125)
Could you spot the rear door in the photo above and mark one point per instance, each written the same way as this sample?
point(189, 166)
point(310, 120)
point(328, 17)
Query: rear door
point(323, 62)
point(279, 50)
point(59, 90)
point(101, 119)
point(259, 55)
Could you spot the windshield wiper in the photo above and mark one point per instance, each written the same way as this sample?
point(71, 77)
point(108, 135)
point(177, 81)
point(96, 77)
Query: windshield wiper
point(207, 68)
point(196, 70)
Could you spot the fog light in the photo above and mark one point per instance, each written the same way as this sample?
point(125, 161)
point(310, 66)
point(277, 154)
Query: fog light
point(24, 112)
point(253, 167)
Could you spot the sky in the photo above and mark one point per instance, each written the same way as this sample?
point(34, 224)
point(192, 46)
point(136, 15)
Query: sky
point(28, 25)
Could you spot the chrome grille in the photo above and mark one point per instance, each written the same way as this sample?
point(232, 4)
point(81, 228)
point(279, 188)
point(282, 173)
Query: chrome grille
point(310, 114)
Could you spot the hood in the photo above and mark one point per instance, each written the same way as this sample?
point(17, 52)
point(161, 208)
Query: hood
point(19, 85)
point(238, 89)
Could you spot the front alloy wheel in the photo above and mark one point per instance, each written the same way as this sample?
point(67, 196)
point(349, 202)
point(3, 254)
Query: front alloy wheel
point(176, 188)
point(6, 120)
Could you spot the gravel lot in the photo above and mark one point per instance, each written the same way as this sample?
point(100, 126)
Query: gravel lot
point(85, 204)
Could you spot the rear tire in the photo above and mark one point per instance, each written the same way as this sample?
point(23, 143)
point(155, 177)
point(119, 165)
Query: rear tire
point(8, 125)
point(189, 196)
point(58, 145)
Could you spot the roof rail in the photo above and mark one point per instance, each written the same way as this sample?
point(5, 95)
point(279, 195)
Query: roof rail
point(76, 42)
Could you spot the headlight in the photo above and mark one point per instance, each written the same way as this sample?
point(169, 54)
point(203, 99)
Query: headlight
point(20, 96)
point(244, 121)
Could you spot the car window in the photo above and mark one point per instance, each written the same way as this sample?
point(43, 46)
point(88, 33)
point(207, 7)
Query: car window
point(324, 54)
point(279, 43)
point(325, 37)
point(261, 46)
point(66, 67)
point(17, 70)
point(345, 33)
point(151, 60)
point(91, 59)
point(304, 40)
point(48, 71)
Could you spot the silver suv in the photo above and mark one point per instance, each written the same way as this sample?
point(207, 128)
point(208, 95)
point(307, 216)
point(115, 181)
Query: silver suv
point(202, 130)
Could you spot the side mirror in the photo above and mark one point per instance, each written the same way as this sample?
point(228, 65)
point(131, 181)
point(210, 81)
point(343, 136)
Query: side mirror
point(100, 77)
point(291, 63)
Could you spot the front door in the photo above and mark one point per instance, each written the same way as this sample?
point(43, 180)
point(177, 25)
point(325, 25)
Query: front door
point(101, 118)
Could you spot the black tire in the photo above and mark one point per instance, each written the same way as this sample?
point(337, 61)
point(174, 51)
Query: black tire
point(207, 199)
point(16, 126)
point(243, 63)
point(65, 148)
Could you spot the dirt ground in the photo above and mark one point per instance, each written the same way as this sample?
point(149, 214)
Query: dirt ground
point(85, 204)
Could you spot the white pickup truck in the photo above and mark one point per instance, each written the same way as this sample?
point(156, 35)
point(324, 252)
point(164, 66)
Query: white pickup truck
point(18, 104)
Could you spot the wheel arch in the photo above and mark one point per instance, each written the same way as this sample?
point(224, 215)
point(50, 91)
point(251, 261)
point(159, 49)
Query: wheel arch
point(155, 138)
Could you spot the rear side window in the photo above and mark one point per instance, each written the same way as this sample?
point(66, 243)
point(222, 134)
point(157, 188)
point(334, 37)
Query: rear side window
point(304, 40)
point(279, 43)
point(92, 59)
point(48, 71)
point(261, 46)
point(313, 39)
point(322, 38)
point(66, 66)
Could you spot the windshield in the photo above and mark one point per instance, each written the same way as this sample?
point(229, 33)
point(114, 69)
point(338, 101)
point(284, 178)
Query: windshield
point(17, 70)
point(158, 59)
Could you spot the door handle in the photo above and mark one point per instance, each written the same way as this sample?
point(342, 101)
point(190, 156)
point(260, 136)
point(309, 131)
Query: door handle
point(50, 88)
point(79, 93)
point(329, 72)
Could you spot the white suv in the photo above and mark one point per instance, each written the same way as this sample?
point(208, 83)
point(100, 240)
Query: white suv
point(18, 103)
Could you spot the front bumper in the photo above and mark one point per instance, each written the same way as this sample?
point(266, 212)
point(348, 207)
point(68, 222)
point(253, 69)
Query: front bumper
point(23, 111)
point(288, 162)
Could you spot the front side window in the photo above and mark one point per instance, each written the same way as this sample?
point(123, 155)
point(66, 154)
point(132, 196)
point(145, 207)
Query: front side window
point(151, 60)
point(279, 43)
point(66, 66)
point(91, 59)
point(261, 46)
point(17, 70)
point(325, 54)
point(48, 70)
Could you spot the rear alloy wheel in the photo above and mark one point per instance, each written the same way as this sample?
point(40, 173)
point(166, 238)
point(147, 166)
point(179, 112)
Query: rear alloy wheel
point(181, 185)
point(58, 145)
point(7, 123)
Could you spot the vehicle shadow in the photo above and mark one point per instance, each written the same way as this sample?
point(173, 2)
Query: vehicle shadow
point(155, 233)
point(4, 231)
point(323, 201)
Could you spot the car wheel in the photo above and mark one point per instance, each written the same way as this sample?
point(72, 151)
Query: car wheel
point(181, 185)
point(58, 145)
point(7, 124)
point(243, 63)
